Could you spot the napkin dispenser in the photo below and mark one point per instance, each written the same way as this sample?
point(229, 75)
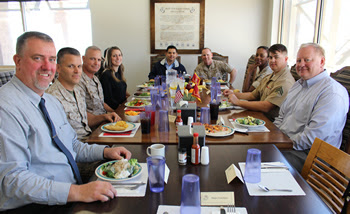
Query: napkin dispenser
point(189, 110)
point(185, 138)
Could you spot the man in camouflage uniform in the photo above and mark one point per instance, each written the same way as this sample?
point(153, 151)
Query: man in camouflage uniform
point(209, 68)
point(69, 69)
point(273, 89)
point(89, 85)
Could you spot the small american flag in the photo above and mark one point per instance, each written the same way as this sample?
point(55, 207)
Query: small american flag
point(178, 94)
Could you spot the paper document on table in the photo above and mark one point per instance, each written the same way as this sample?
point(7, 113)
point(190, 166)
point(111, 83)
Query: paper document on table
point(217, 198)
point(274, 178)
point(171, 209)
point(122, 134)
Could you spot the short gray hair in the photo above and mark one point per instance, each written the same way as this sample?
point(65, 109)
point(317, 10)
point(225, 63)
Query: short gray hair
point(21, 40)
point(316, 46)
point(92, 48)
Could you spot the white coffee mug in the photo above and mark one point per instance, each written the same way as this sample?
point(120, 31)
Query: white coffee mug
point(156, 149)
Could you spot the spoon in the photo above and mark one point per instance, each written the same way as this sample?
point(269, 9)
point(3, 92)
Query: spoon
point(268, 190)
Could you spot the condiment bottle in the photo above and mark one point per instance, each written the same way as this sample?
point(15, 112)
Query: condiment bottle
point(178, 121)
point(195, 150)
point(182, 156)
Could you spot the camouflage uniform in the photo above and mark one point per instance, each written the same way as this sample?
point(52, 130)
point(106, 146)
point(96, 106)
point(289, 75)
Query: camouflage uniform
point(91, 89)
point(75, 108)
point(216, 69)
point(274, 88)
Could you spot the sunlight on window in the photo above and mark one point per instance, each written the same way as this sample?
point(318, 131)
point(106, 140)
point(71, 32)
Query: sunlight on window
point(298, 25)
point(67, 22)
point(335, 34)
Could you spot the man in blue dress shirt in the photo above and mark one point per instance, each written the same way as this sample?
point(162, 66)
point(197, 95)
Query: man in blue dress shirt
point(32, 168)
point(316, 106)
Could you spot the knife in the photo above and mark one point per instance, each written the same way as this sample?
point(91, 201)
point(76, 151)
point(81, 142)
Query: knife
point(128, 184)
point(222, 210)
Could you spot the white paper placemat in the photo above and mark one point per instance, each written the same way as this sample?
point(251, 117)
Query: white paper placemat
point(170, 209)
point(274, 179)
point(139, 192)
point(123, 134)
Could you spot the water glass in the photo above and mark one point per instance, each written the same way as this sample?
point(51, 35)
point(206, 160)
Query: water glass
point(156, 171)
point(165, 103)
point(163, 121)
point(205, 116)
point(157, 81)
point(156, 100)
point(190, 194)
point(252, 172)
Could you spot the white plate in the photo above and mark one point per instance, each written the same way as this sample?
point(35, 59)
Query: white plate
point(228, 106)
point(99, 174)
point(229, 132)
point(130, 127)
point(137, 95)
point(128, 104)
point(249, 126)
point(144, 86)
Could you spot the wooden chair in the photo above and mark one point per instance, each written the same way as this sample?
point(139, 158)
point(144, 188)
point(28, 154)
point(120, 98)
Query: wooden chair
point(294, 73)
point(157, 58)
point(251, 61)
point(216, 56)
point(327, 171)
point(343, 77)
point(6, 76)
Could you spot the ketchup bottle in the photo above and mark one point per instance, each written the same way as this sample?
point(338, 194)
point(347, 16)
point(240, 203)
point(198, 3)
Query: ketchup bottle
point(178, 121)
point(195, 150)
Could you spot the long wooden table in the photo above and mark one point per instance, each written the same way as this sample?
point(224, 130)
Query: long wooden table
point(275, 136)
point(212, 178)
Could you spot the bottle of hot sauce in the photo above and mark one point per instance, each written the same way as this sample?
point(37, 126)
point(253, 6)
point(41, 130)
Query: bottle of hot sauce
point(178, 121)
point(195, 150)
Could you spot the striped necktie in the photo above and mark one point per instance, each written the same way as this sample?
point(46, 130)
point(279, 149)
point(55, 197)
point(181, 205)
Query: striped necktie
point(58, 142)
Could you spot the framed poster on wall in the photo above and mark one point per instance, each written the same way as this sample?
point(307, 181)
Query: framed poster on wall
point(179, 23)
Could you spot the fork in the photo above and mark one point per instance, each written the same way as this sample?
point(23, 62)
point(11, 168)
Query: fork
point(231, 209)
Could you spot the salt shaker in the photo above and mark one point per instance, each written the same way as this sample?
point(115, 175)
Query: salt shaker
point(205, 155)
point(189, 121)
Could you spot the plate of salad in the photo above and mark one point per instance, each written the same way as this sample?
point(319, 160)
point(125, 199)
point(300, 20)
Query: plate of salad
point(142, 95)
point(146, 85)
point(249, 122)
point(119, 170)
point(138, 103)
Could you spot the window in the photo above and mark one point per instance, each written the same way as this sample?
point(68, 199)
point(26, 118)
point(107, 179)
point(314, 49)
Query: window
point(67, 22)
point(320, 21)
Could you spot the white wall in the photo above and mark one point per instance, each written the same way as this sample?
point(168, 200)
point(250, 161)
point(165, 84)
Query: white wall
point(232, 27)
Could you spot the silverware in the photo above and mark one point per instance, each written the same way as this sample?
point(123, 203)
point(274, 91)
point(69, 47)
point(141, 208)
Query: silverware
point(266, 189)
point(231, 209)
point(222, 210)
point(130, 186)
point(274, 167)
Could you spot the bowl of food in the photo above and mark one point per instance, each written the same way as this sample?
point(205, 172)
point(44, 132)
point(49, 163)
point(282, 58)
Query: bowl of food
point(132, 116)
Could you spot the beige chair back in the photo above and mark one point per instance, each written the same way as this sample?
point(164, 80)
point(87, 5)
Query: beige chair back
point(327, 171)
point(216, 56)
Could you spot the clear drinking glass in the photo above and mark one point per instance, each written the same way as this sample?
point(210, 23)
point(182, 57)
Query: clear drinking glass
point(252, 172)
point(190, 195)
